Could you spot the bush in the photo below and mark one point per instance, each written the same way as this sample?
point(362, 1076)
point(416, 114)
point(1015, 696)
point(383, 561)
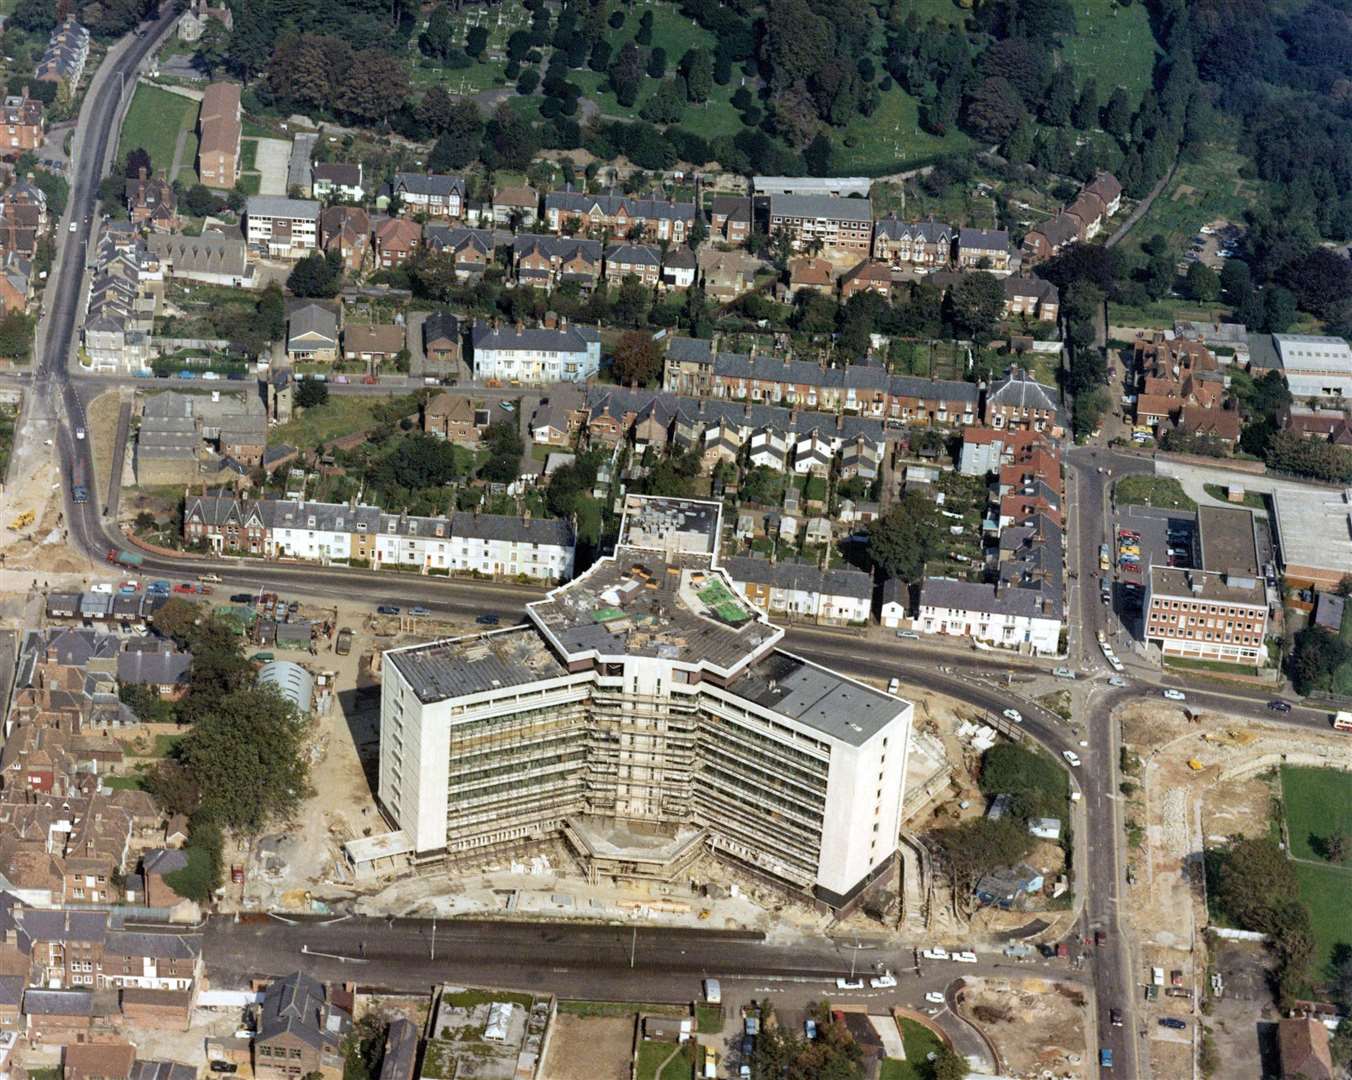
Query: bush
point(1036, 781)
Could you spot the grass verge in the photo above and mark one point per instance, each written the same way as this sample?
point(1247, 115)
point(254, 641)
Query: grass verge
point(1162, 492)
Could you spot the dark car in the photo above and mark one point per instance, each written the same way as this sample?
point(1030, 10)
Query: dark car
point(224, 1067)
point(486, 620)
point(387, 609)
point(1100, 938)
point(1115, 1015)
point(748, 1046)
point(1173, 1022)
point(242, 598)
point(1279, 706)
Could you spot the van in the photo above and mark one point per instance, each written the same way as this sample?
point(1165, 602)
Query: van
point(713, 993)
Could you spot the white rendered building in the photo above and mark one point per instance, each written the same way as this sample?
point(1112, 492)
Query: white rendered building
point(644, 714)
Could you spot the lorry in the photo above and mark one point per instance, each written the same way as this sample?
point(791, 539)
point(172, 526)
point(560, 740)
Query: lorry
point(125, 558)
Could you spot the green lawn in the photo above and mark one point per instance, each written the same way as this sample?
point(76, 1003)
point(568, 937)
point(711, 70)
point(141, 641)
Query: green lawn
point(122, 783)
point(682, 1066)
point(651, 1057)
point(709, 1019)
point(153, 122)
point(1252, 499)
point(919, 1042)
point(248, 153)
point(891, 138)
point(342, 414)
point(620, 1008)
point(1325, 890)
point(1159, 491)
point(1317, 802)
point(466, 999)
point(1114, 44)
point(1162, 314)
point(249, 182)
point(1182, 663)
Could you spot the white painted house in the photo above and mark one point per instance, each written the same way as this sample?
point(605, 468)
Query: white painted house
point(1012, 618)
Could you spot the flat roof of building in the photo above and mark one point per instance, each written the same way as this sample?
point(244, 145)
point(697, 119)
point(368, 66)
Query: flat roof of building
point(1314, 527)
point(678, 525)
point(477, 664)
point(1228, 545)
point(848, 711)
point(1209, 587)
point(646, 602)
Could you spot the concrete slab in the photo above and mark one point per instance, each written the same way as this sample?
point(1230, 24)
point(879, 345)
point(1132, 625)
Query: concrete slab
point(271, 162)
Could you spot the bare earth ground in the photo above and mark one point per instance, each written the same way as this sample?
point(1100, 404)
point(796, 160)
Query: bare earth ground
point(589, 1048)
point(1038, 1025)
point(1200, 783)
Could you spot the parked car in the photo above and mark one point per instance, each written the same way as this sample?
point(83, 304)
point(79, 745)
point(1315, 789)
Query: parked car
point(1100, 938)
point(849, 984)
point(1013, 714)
point(183, 587)
point(242, 598)
point(894, 685)
point(934, 954)
point(1173, 1022)
point(810, 1029)
point(964, 958)
point(1117, 681)
point(883, 982)
point(1175, 695)
point(909, 635)
point(1115, 1017)
point(419, 611)
point(487, 619)
point(934, 997)
point(1278, 705)
point(386, 609)
point(1063, 673)
point(1072, 757)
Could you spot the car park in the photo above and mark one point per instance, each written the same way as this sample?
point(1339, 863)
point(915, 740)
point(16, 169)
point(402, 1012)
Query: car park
point(934, 997)
point(849, 984)
point(1013, 714)
point(1072, 757)
point(1175, 695)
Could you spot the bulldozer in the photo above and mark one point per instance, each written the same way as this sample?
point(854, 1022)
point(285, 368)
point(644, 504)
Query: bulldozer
point(22, 521)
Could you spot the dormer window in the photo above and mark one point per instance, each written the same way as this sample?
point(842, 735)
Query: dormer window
point(310, 521)
point(413, 528)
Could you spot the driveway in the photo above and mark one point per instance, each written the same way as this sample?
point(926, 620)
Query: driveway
point(298, 171)
point(271, 163)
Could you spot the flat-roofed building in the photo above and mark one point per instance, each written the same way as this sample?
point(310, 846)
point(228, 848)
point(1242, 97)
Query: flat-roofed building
point(1314, 534)
point(281, 228)
point(1315, 366)
point(645, 714)
point(842, 224)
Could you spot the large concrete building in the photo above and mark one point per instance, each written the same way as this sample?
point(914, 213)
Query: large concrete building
point(645, 714)
point(1217, 611)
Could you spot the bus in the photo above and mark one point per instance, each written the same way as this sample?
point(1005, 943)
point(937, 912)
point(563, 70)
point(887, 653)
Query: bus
point(1342, 721)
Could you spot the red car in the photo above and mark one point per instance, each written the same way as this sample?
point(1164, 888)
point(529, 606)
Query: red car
point(184, 588)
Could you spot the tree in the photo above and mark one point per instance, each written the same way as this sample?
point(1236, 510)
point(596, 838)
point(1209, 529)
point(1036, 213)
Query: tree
point(1116, 117)
point(1159, 276)
point(1279, 309)
point(975, 304)
point(1036, 781)
point(311, 393)
point(994, 109)
point(1315, 655)
point(657, 63)
point(626, 74)
point(1203, 283)
point(35, 16)
point(476, 41)
point(1322, 283)
point(906, 537)
point(949, 1065)
point(637, 359)
point(316, 275)
point(1340, 1044)
point(1335, 847)
point(1255, 880)
point(1086, 112)
point(698, 68)
point(139, 159)
point(817, 157)
point(968, 851)
point(667, 105)
point(1236, 281)
point(16, 337)
point(460, 138)
point(439, 38)
point(1060, 102)
point(423, 461)
point(247, 757)
point(374, 85)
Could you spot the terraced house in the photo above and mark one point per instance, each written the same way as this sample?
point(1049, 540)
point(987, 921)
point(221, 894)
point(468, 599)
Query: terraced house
point(425, 193)
point(644, 715)
point(547, 261)
point(619, 215)
point(905, 244)
point(492, 544)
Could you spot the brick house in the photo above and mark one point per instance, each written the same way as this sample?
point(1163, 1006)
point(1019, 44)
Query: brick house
point(441, 338)
point(1019, 402)
point(23, 123)
point(396, 241)
point(373, 344)
point(1031, 297)
point(547, 261)
point(219, 129)
point(426, 193)
point(98, 1061)
point(866, 277)
point(151, 202)
point(300, 1031)
point(615, 214)
point(224, 522)
point(472, 249)
point(641, 260)
point(455, 418)
point(346, 230)
point(906, 244)
point(730, 218)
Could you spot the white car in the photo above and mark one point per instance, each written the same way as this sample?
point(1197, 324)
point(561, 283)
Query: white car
point(1175, 695)
point(883, 982)
point(894, 686)
point(1117, 680)
point(72, 226)
point(101, 587)
point(934, 997)
point(1063, 673)
point(79, 433)
point(849, 984)
point(1071, 757)
point(964, 958)
point(1013, 714)
point(934, 954)
point(1115, 664)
